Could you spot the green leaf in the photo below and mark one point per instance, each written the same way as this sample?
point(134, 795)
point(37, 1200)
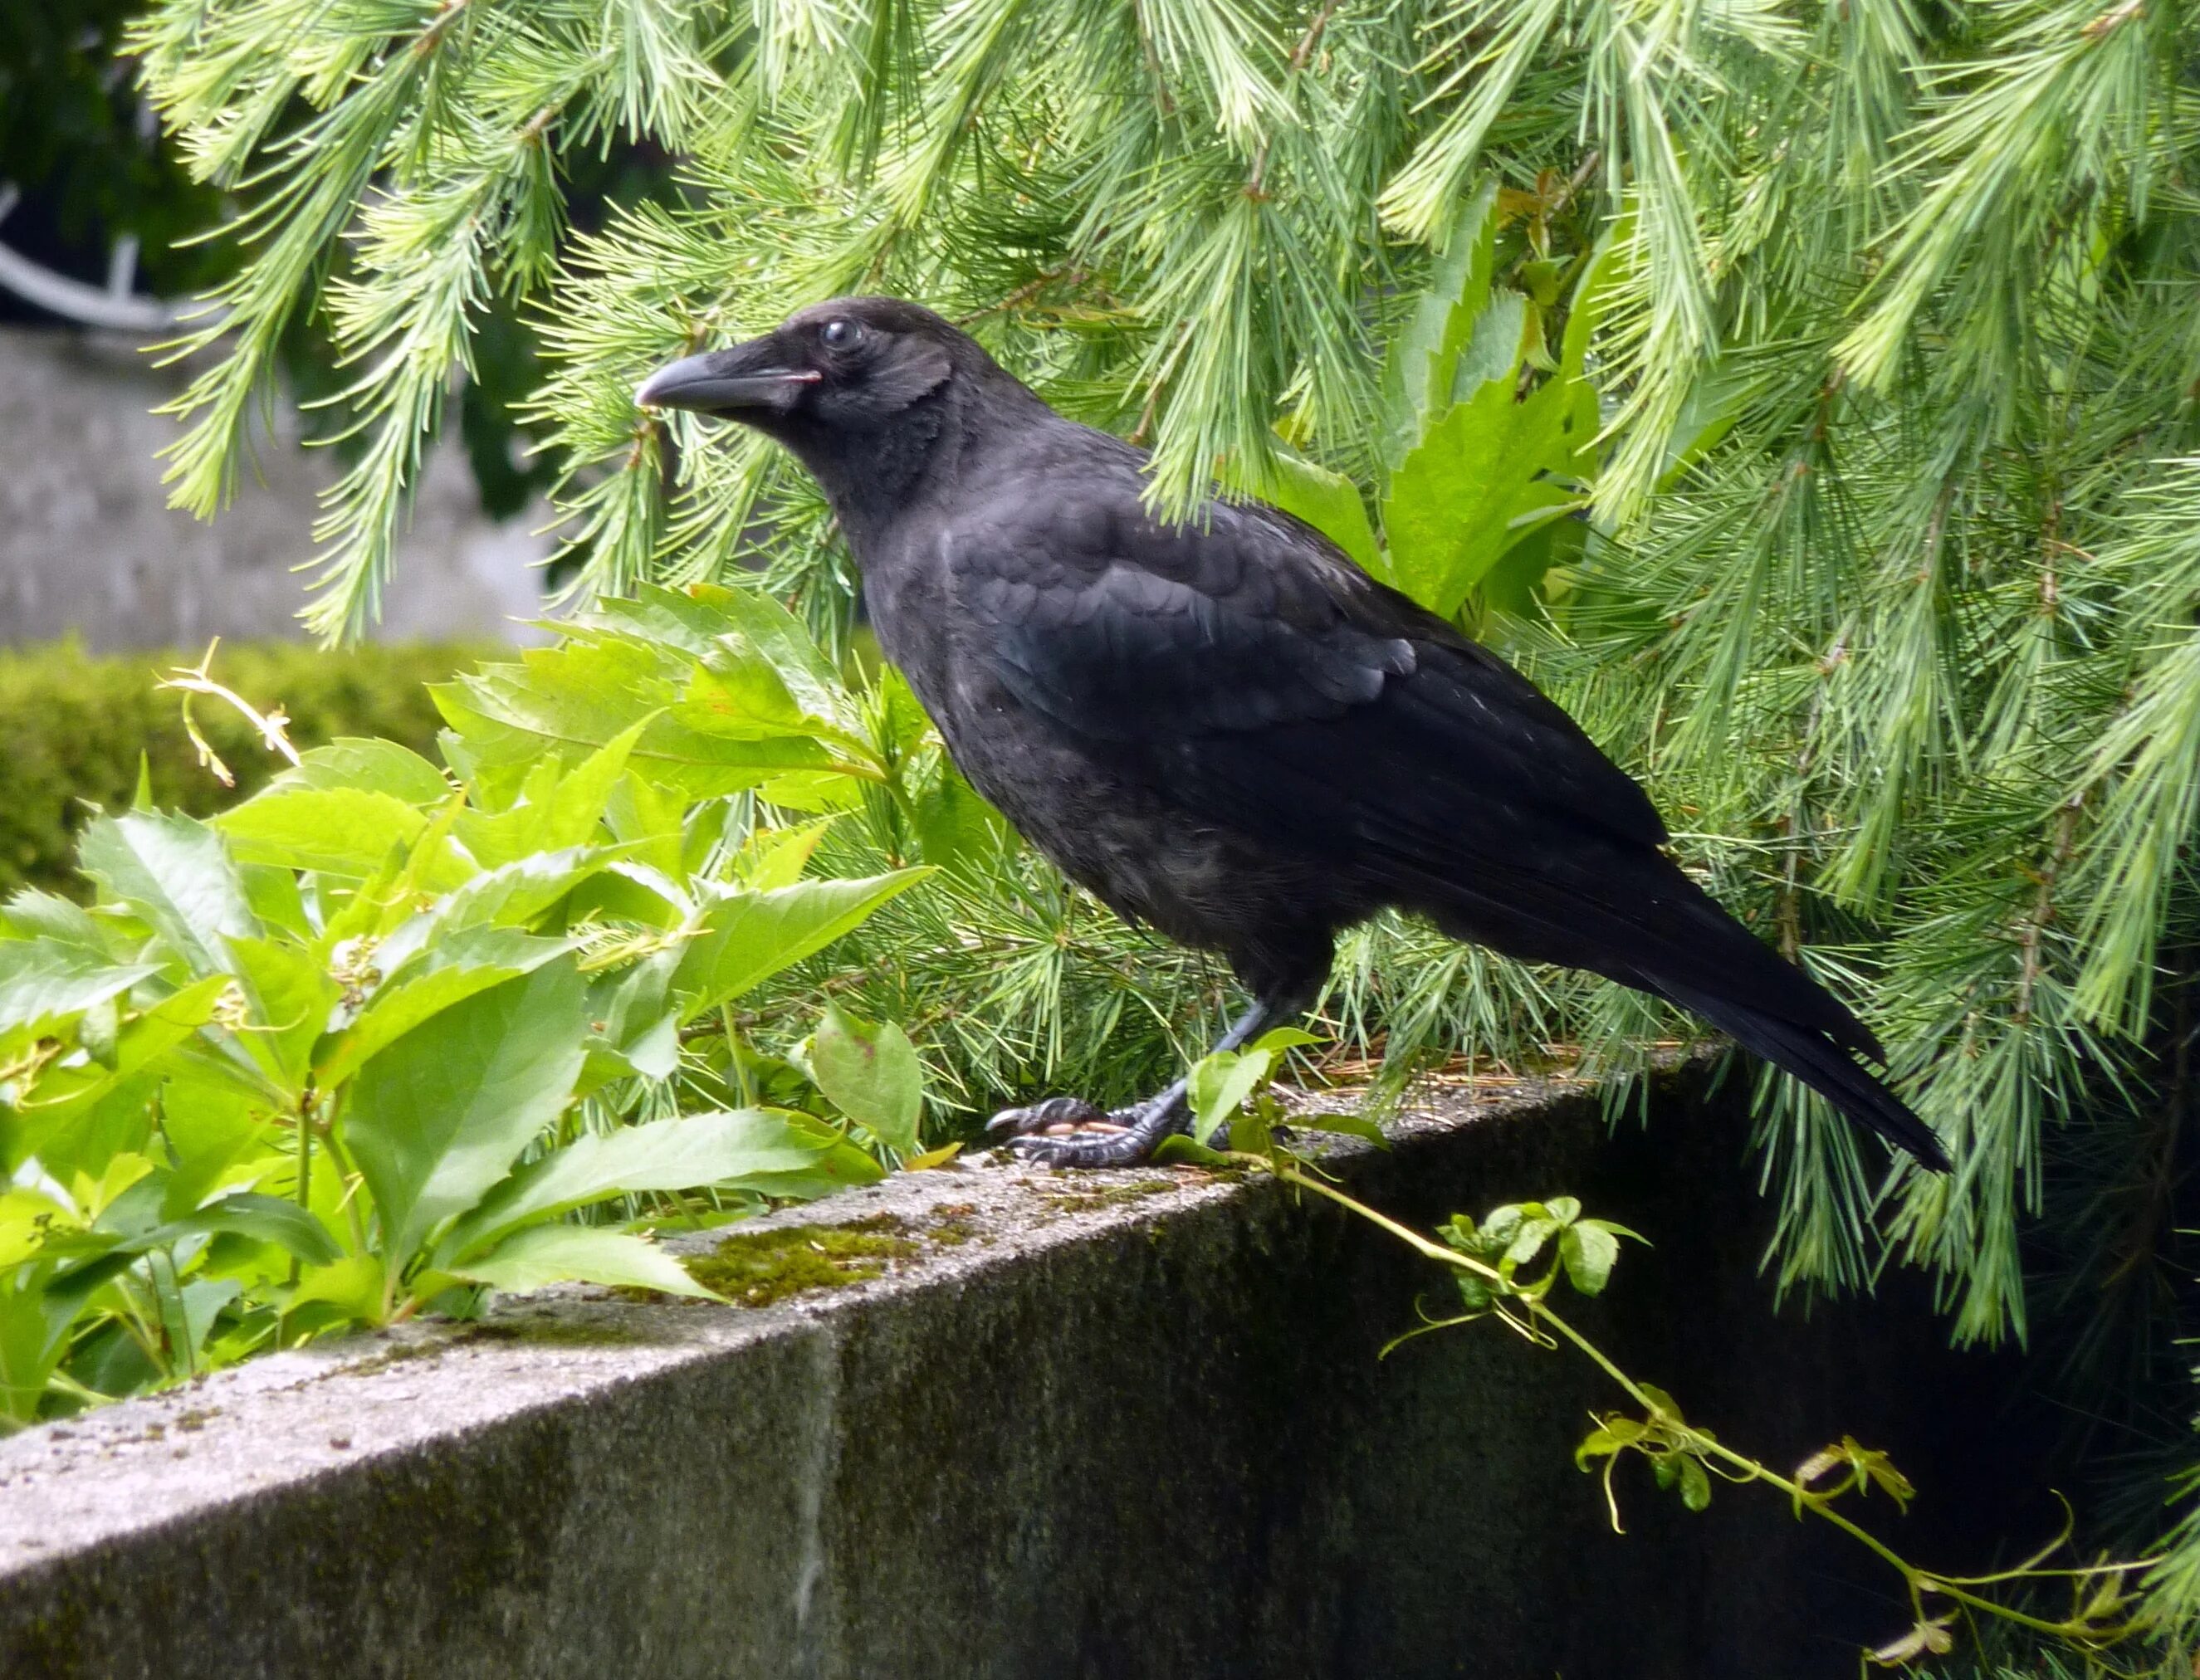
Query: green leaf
point(1219, 1085)
point(263, 1219)
point(43, 981)
point(368, 766)
point(586, 692)
point(343, 832)
point(465, 964)
point(1329, 501)
point(1352, 1125)
point(1612, 1435)
point(558, 808)
point(1417, 376)
point(774, 858)
point(839, 1165)
point(435, 1119)
point(555, 1254)
point(1472, 489)
point(275, 899)
point(691, 1152)
point(743, 700)
point(634, 1031)
point(757, 626)
point(291, 995)
point(355, 1286)
point(576, 811)
point(515, 895)
point(954, 826)
point(1589, 1250)
point(1178, 1150)
point(871, 1074)
point(1528, 1241)
point(1494, 349)
point(145, 1039)
point(32, 914)
point(34, 1333)
point(1695, 1484)
point(174, 873)
point(748, 937)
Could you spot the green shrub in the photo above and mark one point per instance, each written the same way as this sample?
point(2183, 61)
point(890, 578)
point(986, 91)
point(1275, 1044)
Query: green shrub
point(75, 725)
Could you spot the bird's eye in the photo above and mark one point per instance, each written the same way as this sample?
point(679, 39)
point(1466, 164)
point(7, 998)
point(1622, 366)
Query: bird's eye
point(838, 334)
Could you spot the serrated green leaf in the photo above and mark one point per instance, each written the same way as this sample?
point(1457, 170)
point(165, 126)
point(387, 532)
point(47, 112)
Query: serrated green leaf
point(557, 1254)
point(175, 872)
point(371, 766)
point(759, 627)
point(1528, 1240)
point(144, 1040)
point(1418, 374)
point(345, 832)
point(691, 1152)
point(513, 895)
point(748, 937)
point(774, 858)
point(437, 1118)
point(471, 961)
point(1470, 489)
point(33, 914)
point(43, 981)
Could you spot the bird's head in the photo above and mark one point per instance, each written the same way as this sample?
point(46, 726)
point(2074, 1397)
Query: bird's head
point(870, 393)
point(855, 365)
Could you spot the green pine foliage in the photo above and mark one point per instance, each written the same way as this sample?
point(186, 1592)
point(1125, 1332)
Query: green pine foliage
point(1886, 577)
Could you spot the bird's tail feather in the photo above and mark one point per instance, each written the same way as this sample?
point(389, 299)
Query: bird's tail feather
point(1826, 1066)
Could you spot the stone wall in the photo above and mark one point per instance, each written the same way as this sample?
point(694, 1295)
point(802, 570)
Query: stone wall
point(1115, 1425)
point(88, 543)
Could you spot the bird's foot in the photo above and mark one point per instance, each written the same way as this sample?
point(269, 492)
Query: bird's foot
point(1070, 1131)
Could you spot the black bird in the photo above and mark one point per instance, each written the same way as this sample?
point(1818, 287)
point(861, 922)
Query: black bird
point(1224, 728)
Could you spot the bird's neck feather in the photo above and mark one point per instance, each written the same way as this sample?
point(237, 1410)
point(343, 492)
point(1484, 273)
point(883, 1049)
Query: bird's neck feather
point(874, 479)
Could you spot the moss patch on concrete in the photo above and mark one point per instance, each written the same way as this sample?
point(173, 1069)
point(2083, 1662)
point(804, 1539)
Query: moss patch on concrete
point(1092, 1201)
point(759, 1267)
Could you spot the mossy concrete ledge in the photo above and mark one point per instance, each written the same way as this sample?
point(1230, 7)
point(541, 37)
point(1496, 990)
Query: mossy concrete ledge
point(1113, 1425)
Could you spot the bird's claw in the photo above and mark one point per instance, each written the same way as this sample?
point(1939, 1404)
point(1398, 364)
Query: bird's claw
point(1070, 1131)
point(1045, 1117)
point(1121, 1146)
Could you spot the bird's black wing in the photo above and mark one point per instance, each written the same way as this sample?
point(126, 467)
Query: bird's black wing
point(1236, 657)
point(1264, 683)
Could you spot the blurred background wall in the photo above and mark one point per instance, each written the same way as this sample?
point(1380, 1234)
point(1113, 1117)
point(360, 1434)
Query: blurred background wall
point(99, 251)
point(89, 546)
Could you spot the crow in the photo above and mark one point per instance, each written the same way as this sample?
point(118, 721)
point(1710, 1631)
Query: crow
point(1221, 726)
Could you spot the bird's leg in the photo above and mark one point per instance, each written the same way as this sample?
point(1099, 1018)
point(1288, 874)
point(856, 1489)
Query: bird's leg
point(1070, 1131)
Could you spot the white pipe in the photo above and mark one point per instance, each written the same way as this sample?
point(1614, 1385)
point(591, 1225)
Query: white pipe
point(73, 300)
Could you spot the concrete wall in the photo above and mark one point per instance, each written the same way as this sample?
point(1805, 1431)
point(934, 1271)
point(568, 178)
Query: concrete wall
point(1095, 1428)
point(88, 542)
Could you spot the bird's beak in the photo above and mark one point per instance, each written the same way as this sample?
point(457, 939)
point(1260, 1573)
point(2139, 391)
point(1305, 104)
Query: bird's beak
point(743, 379)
